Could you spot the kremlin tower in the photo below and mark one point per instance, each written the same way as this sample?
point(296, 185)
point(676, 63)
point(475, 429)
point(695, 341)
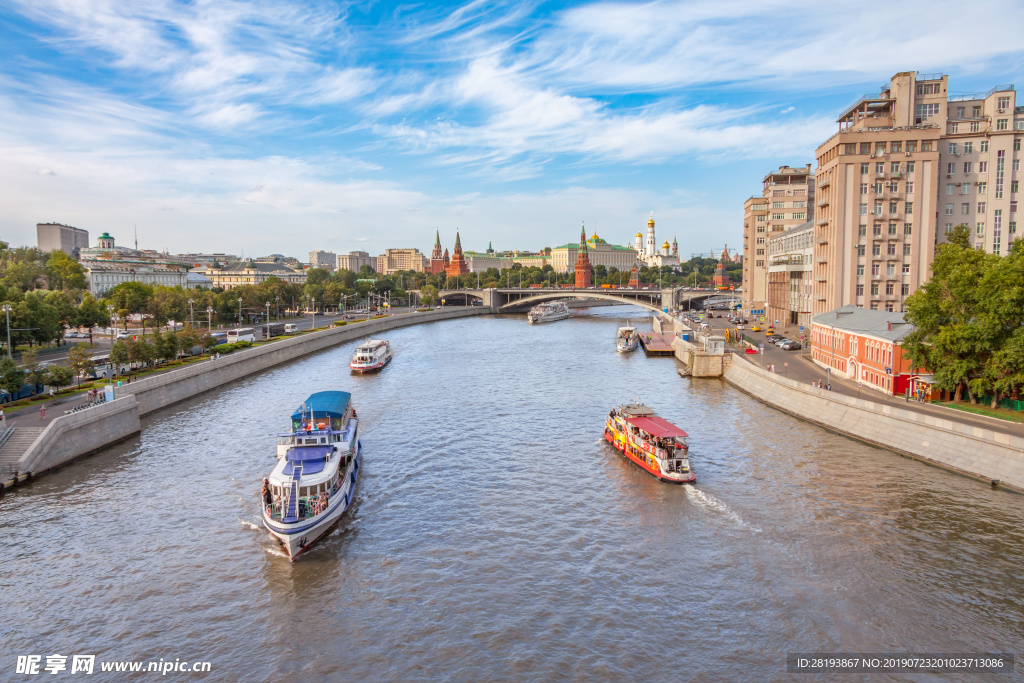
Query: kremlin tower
point(583, 261)
point(457, 266)
point(721, 280)
point(436, 258)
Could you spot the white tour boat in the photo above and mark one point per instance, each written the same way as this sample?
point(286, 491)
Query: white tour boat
point(315, 477)
point(548, 312)
point(627, 339)
point(372, 354)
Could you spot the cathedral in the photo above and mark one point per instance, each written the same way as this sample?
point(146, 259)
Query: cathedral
point(648, 253)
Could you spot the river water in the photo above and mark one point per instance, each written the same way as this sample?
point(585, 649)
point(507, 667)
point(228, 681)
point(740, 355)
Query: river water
point(495, 536)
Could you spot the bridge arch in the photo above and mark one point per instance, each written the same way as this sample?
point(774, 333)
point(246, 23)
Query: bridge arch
point(569, 294)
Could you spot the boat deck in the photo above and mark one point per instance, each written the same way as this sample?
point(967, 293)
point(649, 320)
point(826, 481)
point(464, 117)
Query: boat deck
point(655, 344)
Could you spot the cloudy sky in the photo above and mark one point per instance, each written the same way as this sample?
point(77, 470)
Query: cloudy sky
point(283, 127)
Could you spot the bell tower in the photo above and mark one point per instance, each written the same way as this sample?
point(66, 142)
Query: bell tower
point(583, 261)
point(651, 246)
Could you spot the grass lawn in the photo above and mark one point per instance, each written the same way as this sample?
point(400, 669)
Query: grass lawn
point(978, 409)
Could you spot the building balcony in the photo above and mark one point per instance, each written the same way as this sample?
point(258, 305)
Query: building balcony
point(824, 183)
point(822, 221)
point(821, 239)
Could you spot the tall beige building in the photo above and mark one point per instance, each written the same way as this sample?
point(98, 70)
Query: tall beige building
point(394, 260)
point(786, 201)
point(979, 167)
point(877, 183)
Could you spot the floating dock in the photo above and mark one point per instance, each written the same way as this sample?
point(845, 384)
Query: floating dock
point(655, 344)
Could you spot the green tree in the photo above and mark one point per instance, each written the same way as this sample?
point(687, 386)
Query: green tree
point(59, 376)
point(119, 355)
point(64, 272)
point(428, 294)
point(187, 339)
point(80, 362)
point(168, 345)
point(11, 378)
point(30, 362)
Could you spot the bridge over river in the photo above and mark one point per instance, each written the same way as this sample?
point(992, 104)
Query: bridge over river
point(515, 299)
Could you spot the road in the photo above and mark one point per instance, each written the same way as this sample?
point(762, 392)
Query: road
point(797, 365)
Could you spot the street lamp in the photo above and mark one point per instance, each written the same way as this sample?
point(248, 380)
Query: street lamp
point(313, 303)
point(190, 317)
point(209, 318)
point(268, 320)
point(7, 311)
point(110, 325)
point(277, 308)
point(239, 311)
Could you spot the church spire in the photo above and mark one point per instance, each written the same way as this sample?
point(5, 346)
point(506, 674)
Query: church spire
point(437, 238)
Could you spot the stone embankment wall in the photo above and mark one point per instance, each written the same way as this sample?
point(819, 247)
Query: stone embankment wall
point(980, 453)
point(72, 436)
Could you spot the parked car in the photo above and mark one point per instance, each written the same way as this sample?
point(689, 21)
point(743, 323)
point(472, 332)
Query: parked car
point(740, 327)
point(780, 342)
point(122, 335)
point(773, 337)
point(790, 345)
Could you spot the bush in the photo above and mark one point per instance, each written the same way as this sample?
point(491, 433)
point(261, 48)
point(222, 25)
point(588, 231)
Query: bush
point(423, 310)
point(223, 348)
point(339, 323)
point(242, 344)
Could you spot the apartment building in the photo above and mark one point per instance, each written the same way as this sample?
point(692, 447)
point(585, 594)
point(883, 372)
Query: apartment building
point(864, 345)
point(790, 268)
point(786, 201)
point(979, 167)
point(323, 259)
point(394, 260)
point(877, 184)
point(57, 236)
point(103, 276)
point(354, 260)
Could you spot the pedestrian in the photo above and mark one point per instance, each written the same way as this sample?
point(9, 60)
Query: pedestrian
point(3, 418)
point(828, 387)
point(51, 392)
point(42, 412)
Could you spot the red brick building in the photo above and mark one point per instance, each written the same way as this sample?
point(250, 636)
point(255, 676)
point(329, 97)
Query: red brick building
point(437, 260)
point(457, 265)
point(863, 345)
point(583, 261)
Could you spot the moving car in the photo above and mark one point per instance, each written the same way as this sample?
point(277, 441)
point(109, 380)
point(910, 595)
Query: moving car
point(790, 345)
point(755, 328)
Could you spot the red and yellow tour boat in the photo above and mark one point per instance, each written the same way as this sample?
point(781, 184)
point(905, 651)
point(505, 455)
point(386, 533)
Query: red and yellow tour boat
point(656, 445)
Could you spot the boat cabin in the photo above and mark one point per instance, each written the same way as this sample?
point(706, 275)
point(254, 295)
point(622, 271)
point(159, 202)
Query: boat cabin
point(323, 419)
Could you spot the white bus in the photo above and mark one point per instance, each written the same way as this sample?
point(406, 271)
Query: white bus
point(290, 328)
point(103, 368)
point(241, 334)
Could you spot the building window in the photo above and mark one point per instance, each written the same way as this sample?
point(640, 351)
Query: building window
point(951, 168)
point(894, 166)
point(860, 250)
point(876, 250)
point(906, 267)
point(965, 188)
point(906, 250)
point(954, 127)
point(950, 188)
point(980, 228)
point(1016, 164)
point(864, 168)
point(896, 146)
point(860, 290)
point(981, 207)
point(967, 167)
point(926, 145)
point(876, 231)
point(849, 148)
point(778, 205)
point(965, 209)
point(1016, 145)
point(863, 209)
point(874, 289)
point(1003, 103)
point(952, 148)
point(890, 288)
point(863, 188)
point(983, 146)
point(879, 148)
point(1014, 186)
point(865, 148)
point(890, 250)
point(968, 147)
point(982, 188)
point(877, 188)
point(860, 270)
point(893, 206)
point(1013, 227)
point(949, 209)
point(926, 111)
point(1001, 124)
point(1000, 164)
point(910, 188)
point(907, 228)
point(948, 227)
point(997, 230)
point(862, 231)
point(908, 207)
point(911, 147)
point(890, 269)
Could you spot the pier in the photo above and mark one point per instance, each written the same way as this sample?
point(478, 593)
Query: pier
point(655, 344)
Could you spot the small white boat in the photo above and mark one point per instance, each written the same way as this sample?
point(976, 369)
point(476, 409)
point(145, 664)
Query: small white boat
point(372, 354)
point(314, 480)
point(627, 339)
point(548, 312)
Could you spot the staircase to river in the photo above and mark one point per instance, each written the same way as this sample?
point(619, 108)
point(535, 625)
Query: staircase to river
point(15, 446)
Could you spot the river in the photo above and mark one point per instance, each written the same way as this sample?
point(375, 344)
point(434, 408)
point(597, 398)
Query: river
point(495, 536)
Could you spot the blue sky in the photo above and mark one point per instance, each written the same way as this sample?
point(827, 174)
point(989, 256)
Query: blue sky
point(283, 127)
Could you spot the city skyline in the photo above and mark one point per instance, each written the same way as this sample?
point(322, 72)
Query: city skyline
point(223, 128)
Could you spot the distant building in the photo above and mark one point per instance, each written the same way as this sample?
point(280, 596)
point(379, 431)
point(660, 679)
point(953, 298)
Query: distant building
point(198, 260)
point(59, 237)
point(864, 345)
point(237, 273)
point(355, 260)
point(106, 249)
point(436, 257)
point(721, 280)
point(599, 253)
point(327, 260)
point(198, 281)
point(102, 276)
point(394, 260)
point(648, 253)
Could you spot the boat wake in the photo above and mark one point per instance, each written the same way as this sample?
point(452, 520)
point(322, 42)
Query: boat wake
point(276, 552)
point(712, 504)
point(246, 523)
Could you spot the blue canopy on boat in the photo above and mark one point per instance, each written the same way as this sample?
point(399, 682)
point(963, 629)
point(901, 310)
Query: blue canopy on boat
point(324, 404)
point(308, 453)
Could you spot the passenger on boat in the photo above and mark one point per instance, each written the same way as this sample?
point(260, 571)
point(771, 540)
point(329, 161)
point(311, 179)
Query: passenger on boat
point(267, 497)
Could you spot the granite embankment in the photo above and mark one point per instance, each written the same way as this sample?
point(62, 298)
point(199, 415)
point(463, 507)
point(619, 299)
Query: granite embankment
point(973, 451)
point(74, 435)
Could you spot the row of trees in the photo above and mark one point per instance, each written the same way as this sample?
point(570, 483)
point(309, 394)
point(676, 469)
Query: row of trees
point(969, 319)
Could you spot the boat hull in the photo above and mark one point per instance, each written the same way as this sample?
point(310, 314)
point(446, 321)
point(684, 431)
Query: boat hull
point(296, 539)
point(547, 319)
point(362, 369)
point(619, 444)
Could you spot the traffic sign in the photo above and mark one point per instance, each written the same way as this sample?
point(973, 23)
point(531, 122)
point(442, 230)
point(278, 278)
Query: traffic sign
point(785, 365)
point(761, 345)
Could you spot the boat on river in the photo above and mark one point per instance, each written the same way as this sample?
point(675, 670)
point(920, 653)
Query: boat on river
point(371, 355)
point(654, 444)
point(627, 339)
point(314, 480)
point(547, 312)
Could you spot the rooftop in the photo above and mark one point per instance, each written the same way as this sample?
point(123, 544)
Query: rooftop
point(883, 324)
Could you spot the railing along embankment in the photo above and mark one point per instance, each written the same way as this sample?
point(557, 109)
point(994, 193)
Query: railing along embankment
point(976, 452)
